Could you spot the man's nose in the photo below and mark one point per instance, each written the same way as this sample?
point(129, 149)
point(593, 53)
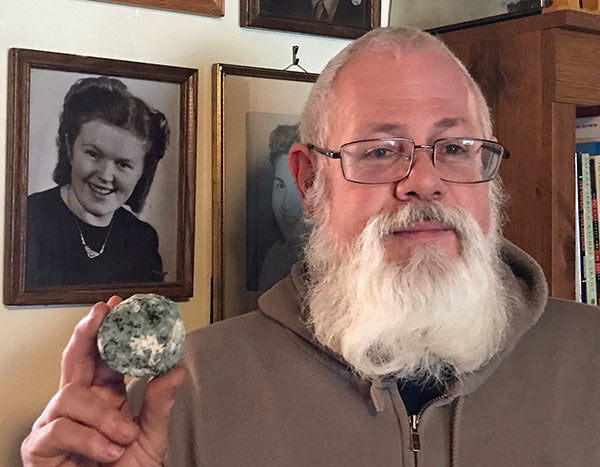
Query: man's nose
point(423, 181)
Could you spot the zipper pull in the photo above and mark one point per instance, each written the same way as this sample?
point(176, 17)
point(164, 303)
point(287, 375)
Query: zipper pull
point(377, 397)
point(414, 433)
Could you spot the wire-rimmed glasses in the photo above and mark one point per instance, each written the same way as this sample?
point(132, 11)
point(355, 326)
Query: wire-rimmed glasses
point(387, 160)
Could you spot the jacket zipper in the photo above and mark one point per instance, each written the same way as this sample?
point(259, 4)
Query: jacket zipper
point(414, 420)
point(415, 442)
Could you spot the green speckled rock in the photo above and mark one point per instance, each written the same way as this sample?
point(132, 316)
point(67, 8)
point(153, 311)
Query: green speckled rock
point(142, 336)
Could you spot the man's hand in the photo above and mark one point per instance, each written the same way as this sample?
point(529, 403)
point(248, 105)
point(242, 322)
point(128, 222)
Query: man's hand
point(88, 422)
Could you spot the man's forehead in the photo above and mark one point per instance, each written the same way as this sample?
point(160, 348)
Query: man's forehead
point(383, 93)
point(400, 67)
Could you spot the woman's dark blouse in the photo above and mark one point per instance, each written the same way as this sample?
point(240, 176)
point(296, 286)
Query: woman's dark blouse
point(55, 254)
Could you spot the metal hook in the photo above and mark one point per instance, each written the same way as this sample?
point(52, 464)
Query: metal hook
point(295, 60)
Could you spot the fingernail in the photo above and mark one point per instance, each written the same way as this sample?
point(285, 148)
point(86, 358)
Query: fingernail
point(115, 451)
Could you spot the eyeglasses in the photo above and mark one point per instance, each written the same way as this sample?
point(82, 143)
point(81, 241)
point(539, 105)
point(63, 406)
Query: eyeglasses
point(457, 160)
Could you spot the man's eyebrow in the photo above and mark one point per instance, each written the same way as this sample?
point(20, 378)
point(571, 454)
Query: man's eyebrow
point(399, 129)
point(446, 123)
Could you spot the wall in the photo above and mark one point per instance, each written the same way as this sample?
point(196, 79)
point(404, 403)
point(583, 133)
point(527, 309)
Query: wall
point(32, 338)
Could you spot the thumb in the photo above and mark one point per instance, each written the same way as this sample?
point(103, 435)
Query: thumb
point(159, 399)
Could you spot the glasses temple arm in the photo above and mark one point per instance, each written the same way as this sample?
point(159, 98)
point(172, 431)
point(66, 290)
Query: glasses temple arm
point(325, 152)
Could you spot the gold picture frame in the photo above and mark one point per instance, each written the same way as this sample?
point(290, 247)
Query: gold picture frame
point(38, 84)
point(248, 103)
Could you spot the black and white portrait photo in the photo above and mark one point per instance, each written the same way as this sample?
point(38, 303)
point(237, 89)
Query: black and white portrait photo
point(337, 18)
point(103, 180)
point(257, 214)
point(275, 227)
point(344, 12)
point(101, 170)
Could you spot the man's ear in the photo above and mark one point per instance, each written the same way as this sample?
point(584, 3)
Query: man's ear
point(302, 165)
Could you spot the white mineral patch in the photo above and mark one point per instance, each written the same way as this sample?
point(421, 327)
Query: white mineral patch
point(149, 342)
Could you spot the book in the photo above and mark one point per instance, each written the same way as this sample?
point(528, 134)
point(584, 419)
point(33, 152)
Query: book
point(587, 128)
point(594, 190)
point(588, 231)
point(590, 147)
point(579, 240)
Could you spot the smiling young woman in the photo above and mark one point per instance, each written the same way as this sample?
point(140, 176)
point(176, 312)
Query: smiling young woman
point(79, 232)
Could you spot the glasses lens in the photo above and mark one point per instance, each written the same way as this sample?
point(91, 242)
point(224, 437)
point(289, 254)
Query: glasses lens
point(467, 160)
point(377, 160)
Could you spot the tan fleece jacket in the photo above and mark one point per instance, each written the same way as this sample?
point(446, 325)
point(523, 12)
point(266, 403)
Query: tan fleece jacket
point(260, 392)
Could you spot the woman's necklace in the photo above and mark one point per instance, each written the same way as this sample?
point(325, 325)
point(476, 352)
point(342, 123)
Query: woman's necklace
point(90, 252)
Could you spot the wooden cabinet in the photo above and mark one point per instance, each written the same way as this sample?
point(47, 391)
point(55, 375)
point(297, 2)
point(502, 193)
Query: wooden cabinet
point(534, 71)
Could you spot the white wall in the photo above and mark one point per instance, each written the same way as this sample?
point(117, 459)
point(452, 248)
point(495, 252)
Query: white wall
point(32, 338)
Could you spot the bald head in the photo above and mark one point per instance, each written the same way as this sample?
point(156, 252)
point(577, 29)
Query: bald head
point(391, 42)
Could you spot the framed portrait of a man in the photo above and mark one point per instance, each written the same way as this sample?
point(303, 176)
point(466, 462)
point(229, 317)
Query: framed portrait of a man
point(258, 219)
point(338, 18)
point(101, 165)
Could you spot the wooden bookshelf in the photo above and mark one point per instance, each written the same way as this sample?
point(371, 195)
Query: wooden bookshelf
point(534, 71)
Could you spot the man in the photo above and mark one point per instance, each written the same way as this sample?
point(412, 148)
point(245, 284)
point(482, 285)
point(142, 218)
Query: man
point(343, 12)
point(412, 335)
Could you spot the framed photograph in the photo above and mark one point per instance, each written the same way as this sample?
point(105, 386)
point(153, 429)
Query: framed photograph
point(258, 223)
point(338, 18)
point(100, 181)
point(201, 7)
point(449, 15)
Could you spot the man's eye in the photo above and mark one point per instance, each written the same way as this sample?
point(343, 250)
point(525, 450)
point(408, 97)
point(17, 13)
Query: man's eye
point(453, 150)
point(92, 154)
point(379, 153)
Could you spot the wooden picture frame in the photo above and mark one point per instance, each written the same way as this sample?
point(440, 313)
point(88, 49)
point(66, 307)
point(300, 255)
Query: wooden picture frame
point(201, 7)
point(146, 241)
point(256, 111)
point(351, 19)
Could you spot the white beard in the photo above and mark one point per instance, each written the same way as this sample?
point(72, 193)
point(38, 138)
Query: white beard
point(430, 315)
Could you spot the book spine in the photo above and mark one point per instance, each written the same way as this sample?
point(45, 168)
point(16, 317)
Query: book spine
point(579, 244)
point(593, 196)
point(595, 161)
point(590, 266)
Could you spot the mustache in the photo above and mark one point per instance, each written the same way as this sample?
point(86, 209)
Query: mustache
point(422, 211)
